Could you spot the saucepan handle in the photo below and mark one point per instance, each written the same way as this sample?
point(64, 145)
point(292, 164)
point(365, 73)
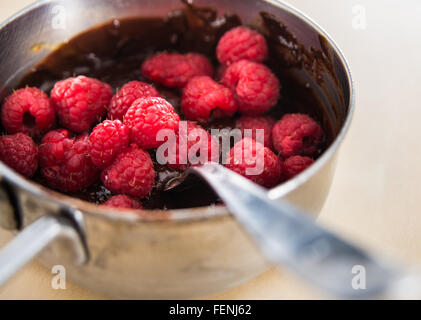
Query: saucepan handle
point(37, 236)
point(287, 236)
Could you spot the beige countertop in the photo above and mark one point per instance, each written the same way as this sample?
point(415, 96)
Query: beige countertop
point(374, 195)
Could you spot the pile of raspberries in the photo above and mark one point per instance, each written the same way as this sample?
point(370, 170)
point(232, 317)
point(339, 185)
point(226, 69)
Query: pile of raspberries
point(76, 146)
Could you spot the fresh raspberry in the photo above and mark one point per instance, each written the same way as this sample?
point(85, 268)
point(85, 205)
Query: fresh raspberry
point(204, 99)
point(123, 202)
point(295, 165)
point(146, 117)
point(80, 102)
point(108, 139)
point(248, 155)
point(124, 98)
point(297, 134)
point(65, 162)
point(264, 123)
point(196, 145)
point(19, 152)
point(132, 173)
point(241, 43)
point(255, 87)
point(28, 110)
point(175, 70)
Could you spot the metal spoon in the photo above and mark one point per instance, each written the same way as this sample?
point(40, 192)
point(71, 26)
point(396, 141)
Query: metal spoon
point(287, 236)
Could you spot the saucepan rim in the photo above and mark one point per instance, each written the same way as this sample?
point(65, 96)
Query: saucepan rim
point(191, 214)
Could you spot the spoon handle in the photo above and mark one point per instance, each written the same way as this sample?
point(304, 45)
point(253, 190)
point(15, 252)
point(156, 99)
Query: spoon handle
point(287, 236)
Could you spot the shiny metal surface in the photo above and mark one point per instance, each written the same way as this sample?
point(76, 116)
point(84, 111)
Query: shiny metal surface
point(178, 253)
point(34, 238)
point(286, 236)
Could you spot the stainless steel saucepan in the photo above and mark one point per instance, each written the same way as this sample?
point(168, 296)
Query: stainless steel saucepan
point(185, 253)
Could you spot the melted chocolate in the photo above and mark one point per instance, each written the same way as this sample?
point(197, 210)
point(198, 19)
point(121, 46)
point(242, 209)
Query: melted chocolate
point(114, 52)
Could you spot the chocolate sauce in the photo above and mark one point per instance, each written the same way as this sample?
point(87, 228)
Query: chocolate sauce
point(114, 52)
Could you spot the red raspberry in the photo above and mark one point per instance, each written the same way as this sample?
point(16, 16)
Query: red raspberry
point(146, 117)
point(80, 102)
point(132, 173)
point(124, 98)
point(255, 87)
point(108, 139)
point(241, 43)
point(197, 145)
point(28, 110)
point(248, 154)
point(265, 123)
point(19, 152)
point(123, 202)
point(203, 99)
point(65, 162)
point(175, 70)
point(297, 134)
point(295, 165)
